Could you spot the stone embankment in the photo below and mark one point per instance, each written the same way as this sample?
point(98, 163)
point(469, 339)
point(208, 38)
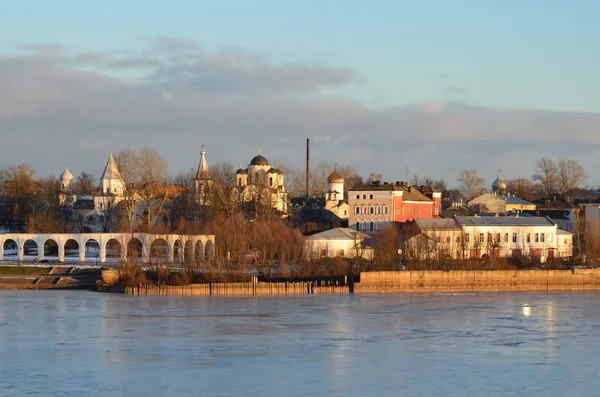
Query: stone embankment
point(484, 280)
point(388, 282)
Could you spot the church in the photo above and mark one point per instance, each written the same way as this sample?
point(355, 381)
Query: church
point(261, 182)
point(95, 212)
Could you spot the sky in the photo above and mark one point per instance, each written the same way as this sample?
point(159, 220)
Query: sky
point(432, 87)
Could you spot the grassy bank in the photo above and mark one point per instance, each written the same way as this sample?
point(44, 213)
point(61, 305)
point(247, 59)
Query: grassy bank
point(24, 271)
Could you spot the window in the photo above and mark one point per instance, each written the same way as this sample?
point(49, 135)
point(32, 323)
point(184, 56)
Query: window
point(537, 237)
point(448, 239)
point(271, 181)
point(365, 226)
point(489, 239)
point(364, 196)
point(371, 227)
point(371, 210)
point(357, 226)
point(458, 239)
point(481, 238)
point(497, 239)
point(371, 197)
point(341, 253)
point(467, 237)
point(542, 237)
point(345, 212)
point(378, 210)
point(385, 210)
point(356, 210)
point(550, 237)
point(528, 237)
point(239, 181)
point(514, 237)
point(378, 226)
point(358, 196)
point(506, 237)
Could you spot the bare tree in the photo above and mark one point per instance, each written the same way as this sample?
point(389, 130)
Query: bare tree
point(570, 176)
point(144, 174)
point(523, 188)
point(427, 181)
point(471, 183)
point(547, 175)
point(84, 185)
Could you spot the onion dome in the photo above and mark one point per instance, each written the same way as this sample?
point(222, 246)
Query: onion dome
point(66, 176)
point(241, 171)
point(499, 185)
point(335, 177)
point(259, 160)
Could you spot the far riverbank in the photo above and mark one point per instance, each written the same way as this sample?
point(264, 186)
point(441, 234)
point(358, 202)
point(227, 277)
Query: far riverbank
point(384, 282)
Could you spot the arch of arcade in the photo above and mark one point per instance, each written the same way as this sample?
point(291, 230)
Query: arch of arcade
point(202, 245)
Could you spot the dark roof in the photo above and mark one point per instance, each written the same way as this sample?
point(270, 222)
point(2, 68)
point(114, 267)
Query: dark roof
point(555, 201)
point(259, 160)
point(504, 221)
point(437, 224)
point(274, 171)
point(241, 171)
point(550, 213)
point(410, 193)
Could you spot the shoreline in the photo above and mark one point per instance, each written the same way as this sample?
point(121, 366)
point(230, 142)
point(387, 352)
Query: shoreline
point(387, 282)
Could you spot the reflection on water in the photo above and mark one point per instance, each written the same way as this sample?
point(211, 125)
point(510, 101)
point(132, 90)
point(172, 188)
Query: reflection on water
point(76, 343)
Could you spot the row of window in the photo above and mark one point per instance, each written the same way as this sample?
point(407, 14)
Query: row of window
point(364, 196)
point(370, 227)
point(257, 180)
point(372, 210)
point(497, 238)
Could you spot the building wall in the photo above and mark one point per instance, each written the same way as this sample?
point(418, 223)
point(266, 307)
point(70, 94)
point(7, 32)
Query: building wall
point(319, 248)
point(496, 241)
point(370, 206)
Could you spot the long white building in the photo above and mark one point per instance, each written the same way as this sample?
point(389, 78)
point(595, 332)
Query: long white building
point(466, 237)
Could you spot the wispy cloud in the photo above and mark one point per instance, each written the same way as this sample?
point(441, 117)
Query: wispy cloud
point(174, 95)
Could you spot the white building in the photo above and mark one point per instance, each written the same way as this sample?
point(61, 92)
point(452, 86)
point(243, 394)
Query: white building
point(262, 182)
point(339, 242)
point(465, 237)
point(334, 196)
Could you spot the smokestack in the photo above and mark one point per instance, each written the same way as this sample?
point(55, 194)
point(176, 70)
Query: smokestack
point(307, 166)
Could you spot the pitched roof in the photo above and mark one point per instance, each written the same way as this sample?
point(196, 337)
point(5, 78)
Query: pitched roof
point(504, 221)
point(409, 193)
point(111, 171)
point(437, 224)
point(339, 233)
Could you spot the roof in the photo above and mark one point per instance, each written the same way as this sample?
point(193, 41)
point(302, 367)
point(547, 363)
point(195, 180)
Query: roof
point(409, 193)
point(203, 166)
point(504, 221)
point(111, 171)
point(66, 176)
point(335, 177)
point(259, 160)
point(515, 200)
point(339, 233)
point(437, 224)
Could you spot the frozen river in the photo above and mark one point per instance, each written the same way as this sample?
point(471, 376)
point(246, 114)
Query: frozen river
point(495, 344)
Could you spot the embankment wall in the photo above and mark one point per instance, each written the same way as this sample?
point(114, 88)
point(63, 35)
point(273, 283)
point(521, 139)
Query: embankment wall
point(392, 282)
point(484, 280)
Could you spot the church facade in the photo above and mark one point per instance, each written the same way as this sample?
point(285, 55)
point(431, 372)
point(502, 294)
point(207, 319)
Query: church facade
point(263, 183)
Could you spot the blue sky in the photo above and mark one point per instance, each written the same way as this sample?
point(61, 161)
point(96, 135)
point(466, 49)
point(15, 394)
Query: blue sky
point(495, 55)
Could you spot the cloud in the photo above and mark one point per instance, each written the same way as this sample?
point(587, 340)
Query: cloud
point(60, 105)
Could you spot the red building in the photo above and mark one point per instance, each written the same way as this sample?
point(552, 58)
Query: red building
point(378, 205)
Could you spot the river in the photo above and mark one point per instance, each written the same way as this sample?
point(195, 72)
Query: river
point(74, 343)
